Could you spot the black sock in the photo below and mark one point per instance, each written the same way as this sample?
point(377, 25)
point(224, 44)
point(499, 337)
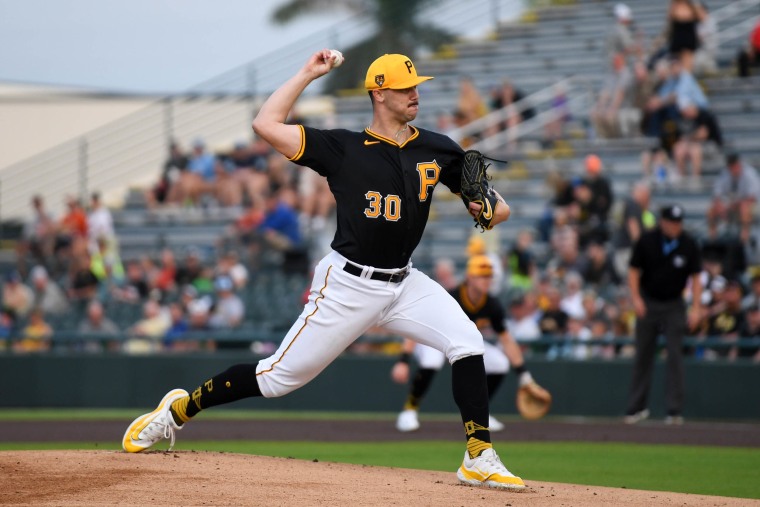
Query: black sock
point(234, 384)
point(493, 382)
point(468, 378)
point(420, 385)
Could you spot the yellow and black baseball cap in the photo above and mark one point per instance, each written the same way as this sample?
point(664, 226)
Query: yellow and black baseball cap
point(479, 265)
point(395, 72)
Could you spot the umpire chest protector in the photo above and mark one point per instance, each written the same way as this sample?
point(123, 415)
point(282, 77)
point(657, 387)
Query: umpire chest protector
point(382, 190)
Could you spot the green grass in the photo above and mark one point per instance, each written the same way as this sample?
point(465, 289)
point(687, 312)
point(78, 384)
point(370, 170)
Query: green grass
point(701, 470)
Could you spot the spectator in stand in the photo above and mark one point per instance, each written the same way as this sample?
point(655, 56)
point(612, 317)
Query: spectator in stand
point(190, 269)
point(96, 326)
point(100, 225)
point(554, 129)
point(7, 324)
point(71, 232)
point(229, 310)
point(48, 297)
point(280, 228)
point(174, 338)
point(506, 96)
point(200, 176)
point(521, 322)
point(317, 202)
point(753, 296)
point(598, 270)
point(569, 348)
point(751, 329)
point(659, 119)
point(614, 97)
point(38, 236)
point(250, 163)
point(227, 190)
point(572, 301)
point(229, 265)
point(522, 267)
point(594, 224)
point(445, 273)
point(684, 17)
point(166, 190)
point(106, 265)
point(36, 336)
point(83, 284)
point(750, 55)
point(18, 298)
point(735, 193)
point(145, 335)
point(135, 288)
point(620, 38)
point(553, 320)
point(565, 250)
point(470, 105)
point(698, 129)
point(635, 218)
point(707, 52)
point(165, 279)
point(726, 321)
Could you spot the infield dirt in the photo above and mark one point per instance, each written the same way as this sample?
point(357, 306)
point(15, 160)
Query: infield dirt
point(95, 478)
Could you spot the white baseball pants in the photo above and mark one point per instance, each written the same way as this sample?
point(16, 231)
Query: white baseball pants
point(495, 360)
point(343, 306)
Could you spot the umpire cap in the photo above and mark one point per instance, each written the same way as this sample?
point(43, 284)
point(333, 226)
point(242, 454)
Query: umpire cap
point(395, 72)
point(674, 213)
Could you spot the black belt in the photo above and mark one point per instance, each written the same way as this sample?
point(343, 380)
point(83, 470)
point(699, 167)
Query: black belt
point(383, 277)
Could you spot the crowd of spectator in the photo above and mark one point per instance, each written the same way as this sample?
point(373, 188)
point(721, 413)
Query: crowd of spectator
point(72, 265)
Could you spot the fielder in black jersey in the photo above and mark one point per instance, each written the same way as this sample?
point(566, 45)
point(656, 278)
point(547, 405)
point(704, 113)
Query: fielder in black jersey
point(383, 180)
point(486, 312)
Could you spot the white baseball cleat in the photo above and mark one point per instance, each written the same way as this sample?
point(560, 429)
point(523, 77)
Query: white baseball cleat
point(149, 429)
point(494, 424)
point(488, 470)
point(407, 421)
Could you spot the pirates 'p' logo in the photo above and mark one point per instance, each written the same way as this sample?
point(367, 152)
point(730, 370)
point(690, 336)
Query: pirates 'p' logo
point(380, 79)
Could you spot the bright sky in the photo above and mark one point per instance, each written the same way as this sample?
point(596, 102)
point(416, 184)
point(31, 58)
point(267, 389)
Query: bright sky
point(139, 45)
point(154, 45)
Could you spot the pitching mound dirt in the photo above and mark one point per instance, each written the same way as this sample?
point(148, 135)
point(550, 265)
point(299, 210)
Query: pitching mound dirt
point(94, 478)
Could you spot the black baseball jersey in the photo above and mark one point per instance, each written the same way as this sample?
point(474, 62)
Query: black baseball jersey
point(484, 312)
point(665, 264)
point(382, 190)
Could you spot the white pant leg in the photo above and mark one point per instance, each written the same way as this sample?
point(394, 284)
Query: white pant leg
point(426, 313)
point(428, 358)
point(341, 307)
point(496, 362)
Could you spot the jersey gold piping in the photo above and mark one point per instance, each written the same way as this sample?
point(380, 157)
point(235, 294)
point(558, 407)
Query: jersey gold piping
point(471, 307)
point(299, 153)
point(415, 134)
point(306, 321)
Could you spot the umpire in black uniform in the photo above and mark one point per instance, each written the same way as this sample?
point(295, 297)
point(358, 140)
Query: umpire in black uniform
point(662, 262)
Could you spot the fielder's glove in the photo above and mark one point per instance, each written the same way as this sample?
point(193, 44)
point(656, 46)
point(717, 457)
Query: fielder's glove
point(533, 401)
point(475, 188)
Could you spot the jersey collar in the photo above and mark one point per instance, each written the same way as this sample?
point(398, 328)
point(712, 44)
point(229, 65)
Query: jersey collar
point(471, 306)
point(415, 134)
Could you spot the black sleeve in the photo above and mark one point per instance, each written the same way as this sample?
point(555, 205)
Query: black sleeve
point(321, 150)
point(637, 256)
point(451, 165)
point(496, 312)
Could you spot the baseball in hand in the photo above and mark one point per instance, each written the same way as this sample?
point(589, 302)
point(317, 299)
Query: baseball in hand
point(337, 57)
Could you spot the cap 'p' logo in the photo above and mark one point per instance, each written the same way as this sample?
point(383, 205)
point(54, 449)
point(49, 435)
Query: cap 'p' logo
point(409, 66)
point(380, 79)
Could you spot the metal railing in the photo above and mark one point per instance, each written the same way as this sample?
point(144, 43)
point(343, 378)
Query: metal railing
point(129, 151)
